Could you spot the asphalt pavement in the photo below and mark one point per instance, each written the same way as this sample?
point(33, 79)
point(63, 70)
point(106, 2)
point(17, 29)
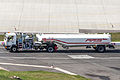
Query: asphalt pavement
point(80, 61)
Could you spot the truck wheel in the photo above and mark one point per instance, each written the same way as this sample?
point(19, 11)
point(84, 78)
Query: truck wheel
point(13, 49)
point(36, 48)
point(50, 49)
point(100, 49)
point(40, 49)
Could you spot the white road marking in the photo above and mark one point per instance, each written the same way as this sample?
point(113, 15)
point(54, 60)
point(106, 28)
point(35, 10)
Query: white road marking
point(3, 69)
point(80, 56)
point(48, 67)
point(65, 71)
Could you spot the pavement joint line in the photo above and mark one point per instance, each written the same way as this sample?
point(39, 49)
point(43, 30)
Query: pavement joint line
point(3, 52)
point(107, 58)
point(59, 58)
point(38, 66)
point(31, 58)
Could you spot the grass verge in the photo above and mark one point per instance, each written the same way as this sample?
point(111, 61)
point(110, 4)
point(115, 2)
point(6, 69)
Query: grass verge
point(1, 37)
point(115, 37)
point(38, 75)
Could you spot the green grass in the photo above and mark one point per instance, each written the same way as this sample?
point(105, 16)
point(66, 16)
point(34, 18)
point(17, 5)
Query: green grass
point(115, 36)
point(1, 37)
point(38, 75)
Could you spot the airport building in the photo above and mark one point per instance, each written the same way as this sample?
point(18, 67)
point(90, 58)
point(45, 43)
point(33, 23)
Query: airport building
point(59, 16)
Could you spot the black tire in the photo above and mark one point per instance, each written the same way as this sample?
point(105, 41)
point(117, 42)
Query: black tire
point(36, 48)
point(50, 49)
point(13, 49)
point(101, 49)
point(41, 49)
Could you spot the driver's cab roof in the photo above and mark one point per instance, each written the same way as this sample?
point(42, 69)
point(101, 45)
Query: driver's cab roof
point(10, 34)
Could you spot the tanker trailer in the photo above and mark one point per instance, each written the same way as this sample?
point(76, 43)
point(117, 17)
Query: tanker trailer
point(97, 41)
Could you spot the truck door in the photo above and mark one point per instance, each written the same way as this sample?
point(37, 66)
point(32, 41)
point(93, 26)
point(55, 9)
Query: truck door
point(11, 40)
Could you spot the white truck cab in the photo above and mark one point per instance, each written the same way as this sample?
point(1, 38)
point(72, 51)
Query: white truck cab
point(9, 40)
point(21, 41)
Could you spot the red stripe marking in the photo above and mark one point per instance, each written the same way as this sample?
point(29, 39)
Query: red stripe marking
point(104, 39)
point(77, 43)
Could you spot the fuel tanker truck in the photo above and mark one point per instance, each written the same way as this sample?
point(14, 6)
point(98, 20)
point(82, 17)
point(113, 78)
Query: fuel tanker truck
point(49, 42)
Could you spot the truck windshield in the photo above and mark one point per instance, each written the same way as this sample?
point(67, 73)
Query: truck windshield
point(10, 38)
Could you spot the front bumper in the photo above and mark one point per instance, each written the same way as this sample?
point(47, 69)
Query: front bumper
point(7, 47)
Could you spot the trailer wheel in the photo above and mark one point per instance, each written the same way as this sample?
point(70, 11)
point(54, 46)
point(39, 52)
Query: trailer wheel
point(100, 49)
point(36, 48)
point(41, 49)
point(50, 49)
point(13, 49)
